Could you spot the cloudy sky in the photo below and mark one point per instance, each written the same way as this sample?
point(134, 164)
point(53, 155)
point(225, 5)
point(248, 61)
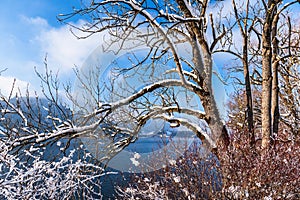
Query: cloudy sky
point(29, 31)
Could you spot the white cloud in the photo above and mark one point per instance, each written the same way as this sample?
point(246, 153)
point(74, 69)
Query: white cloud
point(25, 47)
point(225, 6)
point(13, 86)
point(35, 21)
point(63, 49)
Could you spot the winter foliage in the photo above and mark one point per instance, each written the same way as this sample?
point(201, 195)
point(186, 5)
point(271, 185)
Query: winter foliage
point(253, 153)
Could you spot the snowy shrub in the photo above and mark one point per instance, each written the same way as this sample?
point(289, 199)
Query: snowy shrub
point(191, 176)
point(240, 172)
point(247, 174)
point(36, 178)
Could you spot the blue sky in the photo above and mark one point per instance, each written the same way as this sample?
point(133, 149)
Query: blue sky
point(28, 31)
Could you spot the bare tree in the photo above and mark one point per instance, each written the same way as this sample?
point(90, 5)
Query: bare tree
point(270, 64)
point(164, 28)
point(176, 62)
point(39, 155)
point(289, 77)
point(265, 29)
point(240, 18)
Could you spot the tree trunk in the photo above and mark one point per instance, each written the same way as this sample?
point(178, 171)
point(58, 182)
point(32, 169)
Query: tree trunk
point(213, 119)
point(218, 130)
point(275, 65)
point(267, 81)
point(244, 32)
point(249, 105)
point(275, 99)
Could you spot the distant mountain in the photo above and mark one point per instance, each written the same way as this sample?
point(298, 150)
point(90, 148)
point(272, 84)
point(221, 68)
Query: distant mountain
point(37, 111)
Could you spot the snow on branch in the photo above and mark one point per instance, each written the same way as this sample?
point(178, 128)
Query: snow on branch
point(160, 110)
point(17, 110)
point(38, 178)
point(147, 89)
point(192, 126)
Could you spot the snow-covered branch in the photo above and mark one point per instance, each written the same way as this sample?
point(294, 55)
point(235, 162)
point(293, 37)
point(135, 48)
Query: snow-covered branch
point(203, 135)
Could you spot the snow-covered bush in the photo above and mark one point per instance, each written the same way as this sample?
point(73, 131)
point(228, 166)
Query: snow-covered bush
point(27, 175)
point(249, 175)
point(240, 172)
point(191, 176)
point(40, 158)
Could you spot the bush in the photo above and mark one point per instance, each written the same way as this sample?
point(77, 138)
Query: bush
point(249, 174)
point(240, 172)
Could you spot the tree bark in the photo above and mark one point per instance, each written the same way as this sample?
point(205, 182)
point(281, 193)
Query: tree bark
point(275, 65)
point(275, 99)
point(267, 79)
point(249, 104)
point(213, 119)
point(245, 34)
